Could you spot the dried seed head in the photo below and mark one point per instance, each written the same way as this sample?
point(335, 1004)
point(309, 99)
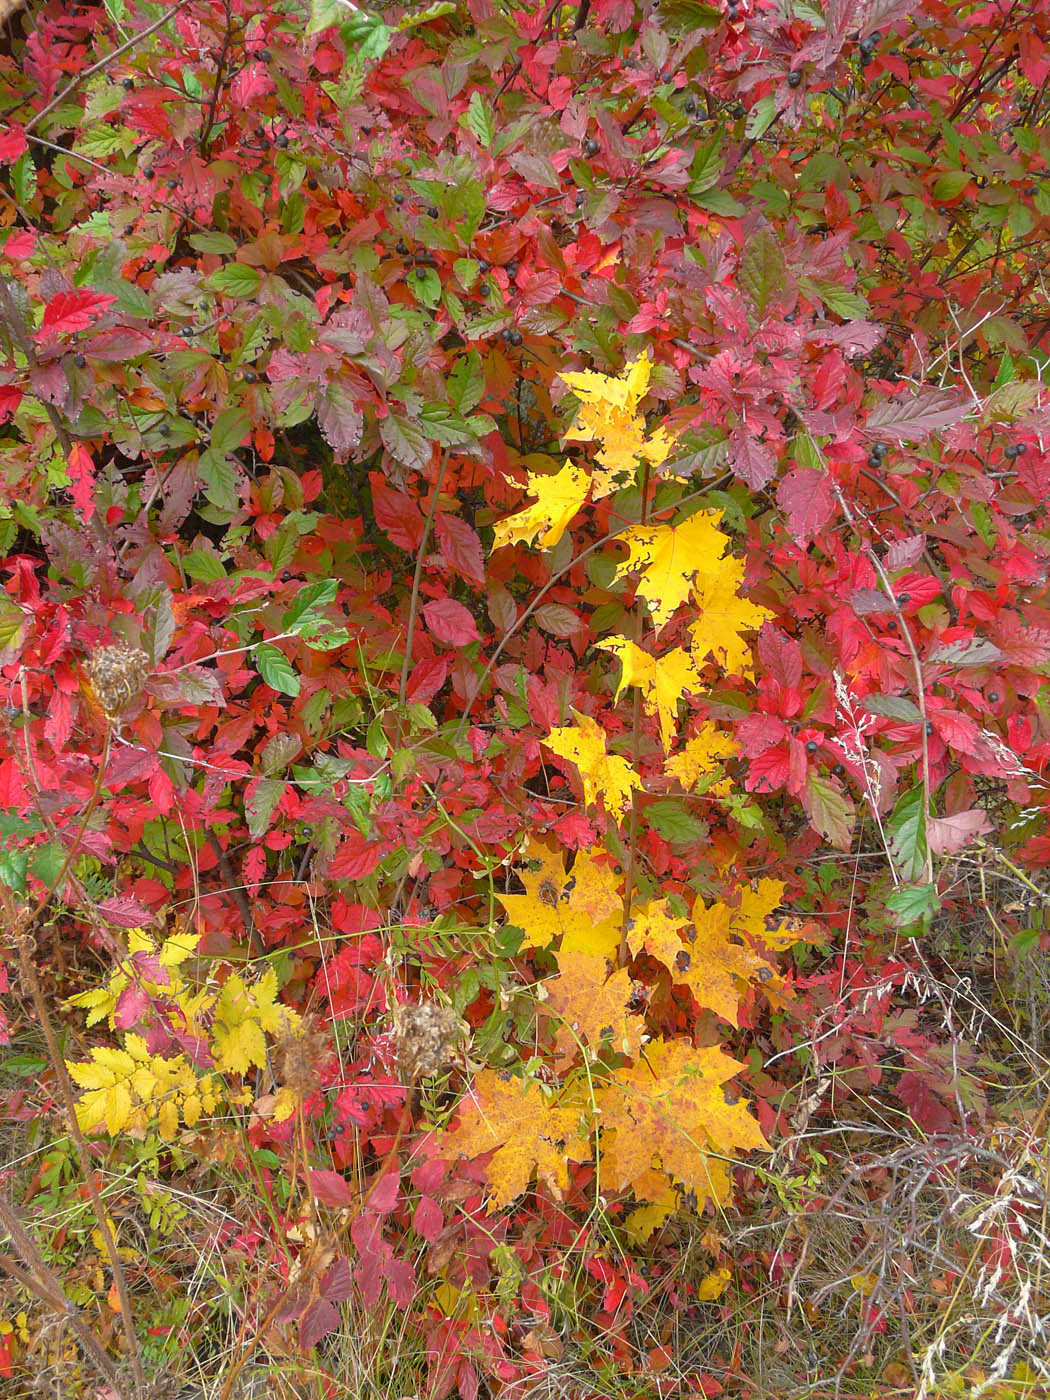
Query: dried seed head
point(115, 676)
point(299, 1056)
point(426, 1036)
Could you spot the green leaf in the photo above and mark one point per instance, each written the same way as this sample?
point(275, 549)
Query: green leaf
point(263, 797)
point(829, 810)
point(14, 866)
point(236, 280)
point(229, 430)
point(671, 819)
point(220, 481)
point(302, 616)
point(213, 242)
point(893, 707)
point(912, 906)
point(763, 272)
point(203, 565)
point(761, 117)
point(46, 863)
point(480, 120)
point(906, 829)
point(950, 185)
point(276, 670)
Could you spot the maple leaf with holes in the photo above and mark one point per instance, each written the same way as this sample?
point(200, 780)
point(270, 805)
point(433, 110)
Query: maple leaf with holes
point(671, 1112)
point(663, 680)
point(582, 908)
point(592, 1007)
point(559, 497)
point(667, 559)
point(608, 414)
point(531, 1132)
point(603, 774)
point(700, 757)
point(724, 615)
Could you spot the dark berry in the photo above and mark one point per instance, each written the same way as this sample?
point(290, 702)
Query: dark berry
point(281, 141)
point(868, 44)
point(994, 697)
point(879, 449)
point(904, 599)
point(128, 84)
point(149, 172)
point(1014, 450)
point(690, 106)
point(794, 79)
point(1031, 191)
point(591, 147)
point(505, 334)
point(515, 337)
point(580, 200)
point(366, 131)
point(512, 268)
point(172, 184)
point(260, 131)
point(483, 267)
point(433, 213)
point(421, 273)
point(929, 726)
point(790, 318)
point(874, 462)
point(311, 183)
point(250, 377)
point(839, 770)
point(400, 247)
point(399, 199)
point(266, 55)
point(80, 361)
point(812, 746)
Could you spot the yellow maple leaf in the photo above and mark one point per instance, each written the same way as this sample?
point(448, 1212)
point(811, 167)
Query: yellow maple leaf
point(582, 908)
point(592, 1005)
point(701, 756)
point(242, 1014)
point(640, 1224)
point(533, 1134)
point(723, 615)
point(559, 497)
point(603, 774)
point(663, 680)
point(667, 559)
point(672, 1107)
point(608, 414)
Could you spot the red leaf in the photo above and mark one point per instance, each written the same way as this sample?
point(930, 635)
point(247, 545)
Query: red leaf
point(12, 144)
point(82, 481)
point(125, 912)
point(427, 1219)
point(384, 1196)
point(451, 622)
point(947, 835)
point(331, 1189)
point(355, 858)
point(74, 311)
point(427, 678)
point(397, 515)
point(317, 1321)
point(10, 398)
point(460, 547)
point(806, 498)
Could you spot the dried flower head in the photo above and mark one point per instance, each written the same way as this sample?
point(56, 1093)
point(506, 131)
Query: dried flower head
point(115, 677)
point(426, 1035)
point(299, 1055)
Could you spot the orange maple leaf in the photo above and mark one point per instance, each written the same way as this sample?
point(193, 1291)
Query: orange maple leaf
point(673, 1112)
point(532, 1133)
point(592, 1006)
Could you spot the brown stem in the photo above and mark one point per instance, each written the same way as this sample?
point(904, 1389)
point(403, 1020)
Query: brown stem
point(45, 1285)
point(413, 604)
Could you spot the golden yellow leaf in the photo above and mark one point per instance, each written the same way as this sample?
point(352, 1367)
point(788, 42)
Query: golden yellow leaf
point(603, 774)
point(532, 1133)
point(607, 391)
point(592, 1005)
point(713, 1285)
point(700, 756)
point(663, 680)
point(608, 414)
point(668, 558)
point(642, 1222)
point(673, 1106)
point(582, 908)
point(559, 498)
point(724, 615)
